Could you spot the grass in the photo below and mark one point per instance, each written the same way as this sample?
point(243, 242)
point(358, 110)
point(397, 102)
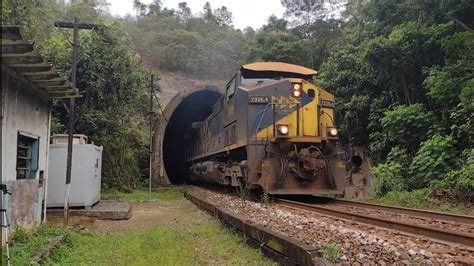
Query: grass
point(160, 194)
point(195, 240)
point(332, 253)
point(207, 244)
point(422, 199)
point(24, 244)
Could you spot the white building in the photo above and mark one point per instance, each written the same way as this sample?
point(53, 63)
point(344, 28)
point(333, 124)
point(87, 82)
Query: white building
point(29, 83)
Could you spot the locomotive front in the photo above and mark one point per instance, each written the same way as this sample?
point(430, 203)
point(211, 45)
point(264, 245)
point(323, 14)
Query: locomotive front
point(293, 139)
point(272, 129)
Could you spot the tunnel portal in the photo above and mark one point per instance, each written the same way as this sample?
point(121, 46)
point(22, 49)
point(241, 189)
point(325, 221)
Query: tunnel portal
point(192, 108)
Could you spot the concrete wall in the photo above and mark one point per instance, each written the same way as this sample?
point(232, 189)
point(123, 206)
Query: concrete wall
point(27, 112)
point(173, 89)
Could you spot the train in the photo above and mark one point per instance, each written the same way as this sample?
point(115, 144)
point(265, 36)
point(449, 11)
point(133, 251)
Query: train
point(273, 129)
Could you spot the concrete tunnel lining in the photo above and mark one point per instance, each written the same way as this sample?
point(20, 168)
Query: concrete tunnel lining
point(195, 106)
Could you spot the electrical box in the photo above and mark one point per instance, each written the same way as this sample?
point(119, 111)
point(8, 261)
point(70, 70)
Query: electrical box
point(85, 174)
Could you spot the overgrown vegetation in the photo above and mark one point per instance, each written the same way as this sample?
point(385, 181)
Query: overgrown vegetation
point(24, 244)
point(423, 199)
point(402, 74)
point(113, 110)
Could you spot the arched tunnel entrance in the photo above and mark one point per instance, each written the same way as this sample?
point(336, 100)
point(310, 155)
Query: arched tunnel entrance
point(194, 107)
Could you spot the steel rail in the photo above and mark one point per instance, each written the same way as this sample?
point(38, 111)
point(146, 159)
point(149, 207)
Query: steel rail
point(466, 219)
point(433, 233)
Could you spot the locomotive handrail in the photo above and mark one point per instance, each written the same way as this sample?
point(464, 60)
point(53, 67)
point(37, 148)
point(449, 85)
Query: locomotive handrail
point(264, 111)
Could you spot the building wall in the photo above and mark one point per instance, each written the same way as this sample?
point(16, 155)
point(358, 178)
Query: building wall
point(24, 111)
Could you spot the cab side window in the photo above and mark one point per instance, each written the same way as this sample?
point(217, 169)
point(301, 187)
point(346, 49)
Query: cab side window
point(230, 89)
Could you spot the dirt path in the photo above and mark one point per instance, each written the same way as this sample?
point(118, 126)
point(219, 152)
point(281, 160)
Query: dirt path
point(145, 215)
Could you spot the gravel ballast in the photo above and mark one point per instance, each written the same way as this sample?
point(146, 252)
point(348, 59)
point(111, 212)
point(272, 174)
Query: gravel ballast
point(357, 243)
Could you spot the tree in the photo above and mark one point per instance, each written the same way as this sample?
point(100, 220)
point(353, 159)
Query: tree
point(223, 16)
point(184, 11)
point(140, 8)
point(208, 15)
point(154, 8)
point(111, 111)
point(275, 24)
point(304, 11)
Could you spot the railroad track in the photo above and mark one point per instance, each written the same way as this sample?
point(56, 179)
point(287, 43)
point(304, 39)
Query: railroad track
point(457, 218)
point(433, 233)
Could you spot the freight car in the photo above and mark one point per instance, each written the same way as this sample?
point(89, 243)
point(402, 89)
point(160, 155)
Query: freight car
point(272, 129)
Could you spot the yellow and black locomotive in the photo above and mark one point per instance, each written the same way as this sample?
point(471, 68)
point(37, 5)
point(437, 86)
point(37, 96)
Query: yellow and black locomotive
point(273, 129)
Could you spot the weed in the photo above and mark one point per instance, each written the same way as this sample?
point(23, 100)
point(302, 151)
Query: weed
point(244, 194)
point(422, 199)
point(332, 253)
point(265, 199)
point(24, 243)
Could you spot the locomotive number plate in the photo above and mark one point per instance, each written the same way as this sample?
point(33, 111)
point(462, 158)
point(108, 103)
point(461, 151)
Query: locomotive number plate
point(259, 99)
point(326, 103)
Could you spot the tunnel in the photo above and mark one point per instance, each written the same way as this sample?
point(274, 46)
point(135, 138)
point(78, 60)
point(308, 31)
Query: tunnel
point(193, 108)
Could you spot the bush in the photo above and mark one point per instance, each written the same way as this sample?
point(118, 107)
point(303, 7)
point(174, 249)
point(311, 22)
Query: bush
point(408, 125)
point(420, 199)
point(388, 177)
point(459, 183)
point(433, 161)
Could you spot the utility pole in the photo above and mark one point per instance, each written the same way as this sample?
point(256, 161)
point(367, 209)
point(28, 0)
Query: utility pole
point(76, 26)
point(151, 135)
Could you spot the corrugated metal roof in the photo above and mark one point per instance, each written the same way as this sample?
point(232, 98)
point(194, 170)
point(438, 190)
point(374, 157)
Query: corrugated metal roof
point(23, 58)
point(279, 67)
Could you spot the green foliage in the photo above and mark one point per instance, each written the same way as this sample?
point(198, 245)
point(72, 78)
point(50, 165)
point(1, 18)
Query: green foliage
point(205, 46)
point(432, 161)
point(388, 177)
point(419, 199)
point(112, 111)
point(400, 78)
point(275, 46)
point(332, 253)
point(423, 199)
point(408, 125)
point(24, 244)
point(265, 199)
point(459, 183)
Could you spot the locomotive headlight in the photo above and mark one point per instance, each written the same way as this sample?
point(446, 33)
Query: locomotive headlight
point(332, 132)
point(296, 86)
point(283, 129)
point(296, 89)
point(296, 93)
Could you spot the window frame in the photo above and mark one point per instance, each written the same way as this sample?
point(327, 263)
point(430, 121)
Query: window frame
point(29, 144)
